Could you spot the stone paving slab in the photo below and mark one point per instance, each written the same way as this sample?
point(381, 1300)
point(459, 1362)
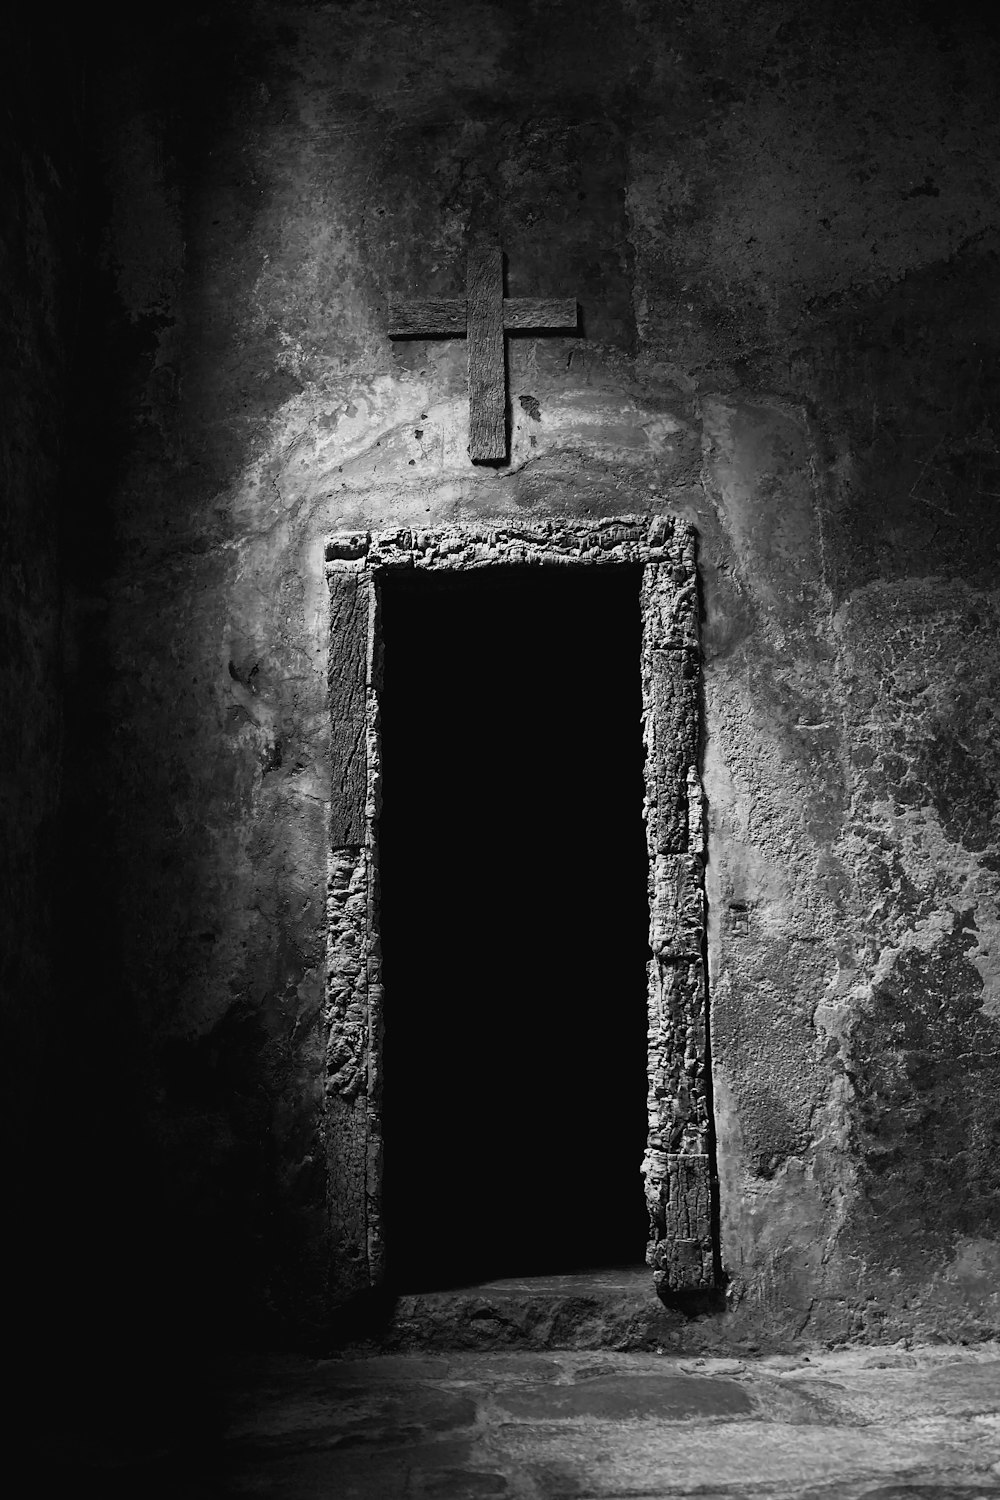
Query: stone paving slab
point(746, 1459)
point(625, 1396)
point(846, 1425)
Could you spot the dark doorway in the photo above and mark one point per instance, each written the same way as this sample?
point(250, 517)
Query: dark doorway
point(515, 922)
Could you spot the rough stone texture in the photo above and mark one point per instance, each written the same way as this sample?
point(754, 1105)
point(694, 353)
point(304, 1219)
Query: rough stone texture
point(348, 720)
point(780, 223)
point(677, 1167)
point(673, 751)
point(598, 1310)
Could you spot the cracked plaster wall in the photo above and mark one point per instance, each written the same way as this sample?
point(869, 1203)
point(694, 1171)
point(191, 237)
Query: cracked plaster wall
point(780, 223)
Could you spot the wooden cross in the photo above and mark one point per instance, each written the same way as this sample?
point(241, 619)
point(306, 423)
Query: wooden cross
point(484, 315)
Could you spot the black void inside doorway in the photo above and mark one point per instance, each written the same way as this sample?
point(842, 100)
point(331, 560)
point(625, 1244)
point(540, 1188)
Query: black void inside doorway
point(514, 922)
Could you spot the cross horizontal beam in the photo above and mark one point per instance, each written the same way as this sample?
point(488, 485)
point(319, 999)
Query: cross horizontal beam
point(448, 317)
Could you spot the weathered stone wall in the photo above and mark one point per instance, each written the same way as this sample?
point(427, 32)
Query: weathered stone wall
point(780, 224)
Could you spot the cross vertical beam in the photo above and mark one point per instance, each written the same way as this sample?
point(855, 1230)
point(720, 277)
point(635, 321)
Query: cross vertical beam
point(487, 353)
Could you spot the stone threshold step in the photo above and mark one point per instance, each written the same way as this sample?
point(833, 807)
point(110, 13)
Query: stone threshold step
point(616, 1308)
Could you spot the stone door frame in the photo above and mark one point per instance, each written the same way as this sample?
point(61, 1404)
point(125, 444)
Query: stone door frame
point(677, 1166)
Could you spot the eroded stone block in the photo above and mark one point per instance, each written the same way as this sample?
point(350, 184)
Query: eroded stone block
point(670, 601)
point(671, 748)
point(347, 971)
point(681, 1253)
point(676, 906)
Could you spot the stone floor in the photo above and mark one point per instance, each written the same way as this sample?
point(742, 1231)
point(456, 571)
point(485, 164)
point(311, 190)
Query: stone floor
point(869, 1424)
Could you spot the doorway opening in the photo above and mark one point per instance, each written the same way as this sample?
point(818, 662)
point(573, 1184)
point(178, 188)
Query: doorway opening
point(514, 923)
